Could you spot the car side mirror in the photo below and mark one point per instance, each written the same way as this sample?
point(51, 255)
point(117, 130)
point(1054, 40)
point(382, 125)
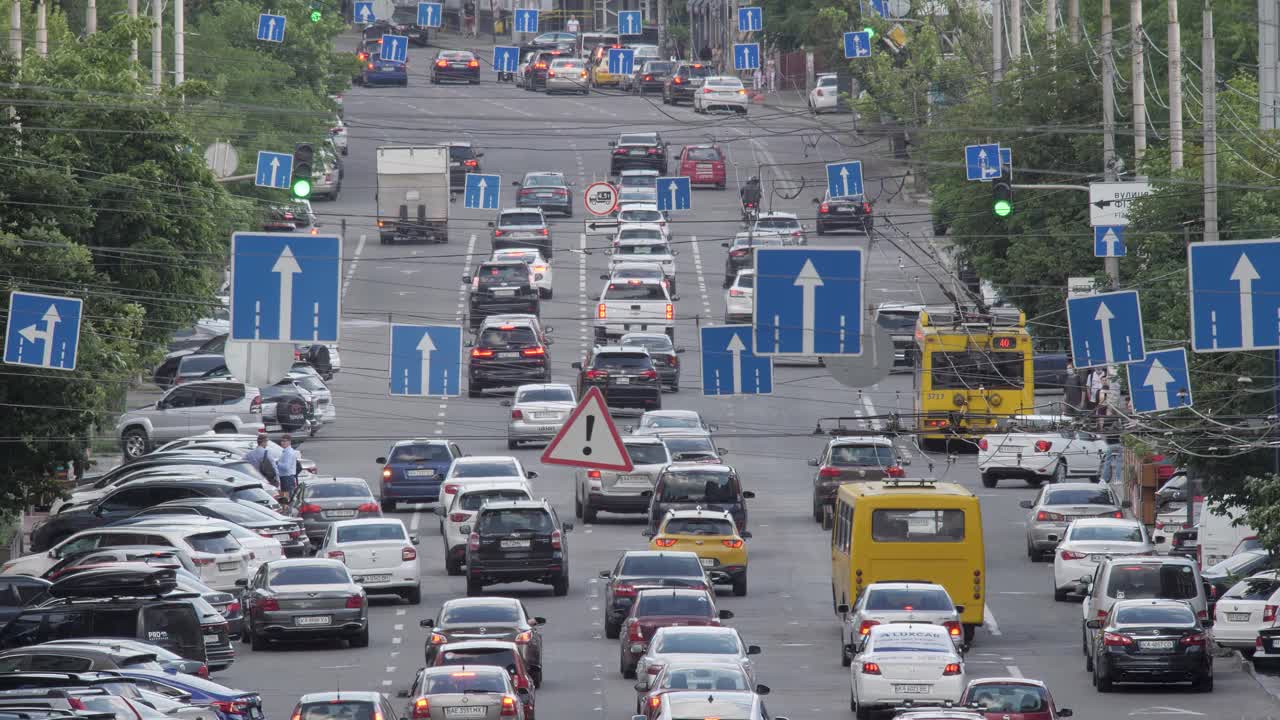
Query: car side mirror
point(604, 277)
point(468, 343)
point(1207, 622)
point(1065, 712)
point(748, 494)
point(427, 623)
point(1028, 504)
point(959, 609)
point(1160, 540)
point(380, 460)
point(466, 278)
point(490, 223)
point(568, 527)
point(641, 685)
point(522, 692)
point(505, 403)
point(1094, 624)
point(540, 621)
point(904, 461)
point(242, 583)
point(628, 428)
point(576, 365)
point(745, 534)
point(53, 554)
point(724, 244)
point(763, 690)
point(1126, 504)
point(813, 462)
point(817, 201)
point(1086, 580)
point(606, 574)
point(531, 474)
point(721, 451)
point(413, 539)
point(613, 143)
point(726, 615)
point(479, 154)
point(754, 650)
point(842, 609)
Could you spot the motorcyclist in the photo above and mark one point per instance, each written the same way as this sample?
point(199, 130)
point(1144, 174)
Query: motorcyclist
point(751, 192)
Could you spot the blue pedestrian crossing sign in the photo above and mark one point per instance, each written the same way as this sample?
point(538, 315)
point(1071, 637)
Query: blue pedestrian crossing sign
point(1235, 295)
point(271, 28)
point(506, 58)
point(1105, 328)
point(674, 193)
point(844, 178)
point(43, 331)
point(621, 61)
point(395, 48)
point(750, 19)
point(363, 12)
point(430, 14)
point(982, 162)
point(426, 360)
point(1160, 381)
point(275, 170)
point(286, 287)
point(630, 22)
point(1108, 241)
point(857, 44)
point(526, 20)
point(808, 301)
point(481, 192)
point(729, 367)
point(746, 56)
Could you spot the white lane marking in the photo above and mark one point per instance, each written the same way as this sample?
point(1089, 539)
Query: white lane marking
point(990, 623)
point(391, 669)
point(351, 266)
point(702, 279)
point(583, 327)
point(398, 627)
point(1013, 671)
point(413, 524)
point(386, 683)
point(395, 641)
point(400, 611)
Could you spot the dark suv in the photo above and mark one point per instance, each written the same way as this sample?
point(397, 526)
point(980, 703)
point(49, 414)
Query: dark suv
point(685, 80)
point(685, 486)
point(844, 212)
point(537, 73)
point(642, 151)
point(500, 287)
point(509, 354)
point(626, 376)
point(518, 541)
point(463, 160)
point(641, 569)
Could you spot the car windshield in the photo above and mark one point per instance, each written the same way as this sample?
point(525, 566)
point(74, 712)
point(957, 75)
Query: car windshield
point(652, 343)
point(509, 337)
point(495, 468)
point(420, 454)
point(905, 525)
point(657, 67)
point(635, 291)
point(749, 240)
point(863, 455)
point(336, 710)
point(776, 224)
point(699, 70)
point(646, 454)
point(642, 249)
point(1254, 589)
point(337, 490)
point(504, 614)
point(554, 394)
point(724, 82)
point(1155, 616)
point(661, 566)
point(697, 526)
point(897, 321)
point(253, 495)
point(238, 513)
point(637, 140)
point(720, 643)
point(522, 254)
point(462, 682)
point(922, 599)
point(371, 532)
point(503, 275)
point(746, 280)
point(969, 370)
point(521, 219)
point(497, 657)
point(827, 81)
point(1073, 496)
point(1010, 698)
point(214, 543)
point(670, 421)
point(567, 65)
point(640, 216)
point(622, 362)
point(706, 678)
point(666, 602)
point(705, 154)
point(701, 485)
point(640, 234)
point(678, 446)
point(307, 575)
point(639, 180)
point(543, 180)
point(653, 274)
point(1113, 533)
point(198, 364)
point(473, 501)
point(456, 55)
point(509, 521)
point(1171, 581)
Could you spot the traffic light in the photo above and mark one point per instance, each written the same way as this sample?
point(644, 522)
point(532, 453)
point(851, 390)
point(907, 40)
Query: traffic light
point(315, 12)
point(870, 31)
point(303, 154)
point(1002, 195)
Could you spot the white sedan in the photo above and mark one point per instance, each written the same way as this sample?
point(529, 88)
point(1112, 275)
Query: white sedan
point(644, 213)
point(825, 96)
point(1249, 606)
point(380, 554)
point(538, 412)
point(1087, 541)
point(539, 268)
point(905, 661)
point(739, 298)
point(722, 92)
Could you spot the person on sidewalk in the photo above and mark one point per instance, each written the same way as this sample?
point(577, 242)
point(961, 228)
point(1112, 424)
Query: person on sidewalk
point(572, 25)
point(705, 54)
point(1073, 391)
point(469, 19)
point(287, 466)
point(259, 459)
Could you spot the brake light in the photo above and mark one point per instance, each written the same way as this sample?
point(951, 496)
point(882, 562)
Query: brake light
point(1102, 614)
point(870, 668)
point(953, 628)
point(408, 554)
point(551, 73)
point(471, 163)
point(533, 352)
point(203, 672)
point(740, 251)
point(309, 508)
point(508, 706)
point(437, 639)
point(655, 702)
point(828, 472)
point(370, 66)
point(677, 81)
point(1111, 639)
point(734, 544)
point(256, 405)
point(386, 473)
point(982, 444)
point(597, 374)
point(653, 151)
point(1116, 514)
point(951, 669)
point(600, 311)
point(355, 602)
point(450, 488)
point(671, 311)
point(1073, 555)
point(497, 233)
point(233, 608)
point(481, 353)
point(582, 74)
point(648, 78)
point(1043, 445)
point(422, 709)
point(557, 540)
point(76, 704)
point(1269, 613)
point(664, 542)
point(895, 471)
point(634, 633)
point(866, 208)
point(473, 64)
point(673, 361)
point(442, 63)
point(231, 707)
point(1043, 516)
point(624, 590)
point(735, 292)
point(473, 542)
point(368, 507)
point(524, 637)
point(517, 415)
point(824, 208)
point(620, 151)
point(742, 92)
point(459, 517)
point(337, 555)
point(1194, 639)
point(540, 65)
point(706, 91)
point(865, 628)
point(593, 474)
point(1204, 614)
point(269, 605)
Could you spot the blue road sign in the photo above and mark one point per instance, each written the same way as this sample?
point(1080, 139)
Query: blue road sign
point(1105, 329)
point(426, 360)
point(271, 28)
point(481, 192)
point(1006, 156)
point(43, 331)
point(808, 301)
point(430, 14)
point(621, 61)
point(728, 365)
point(1161, 381)
point(982, 162)
point(1108, 241)
point(674, 193)
point(1235, 295)
point(881, 7)
point(750, 19)
point(630, 22)
point(857, 44)
point(286, 287)
point(275, 170)
point(526, 20)
point(844, 178)
point(363, 12)
point(506, 58)
point(746, 56)
point(395, 48)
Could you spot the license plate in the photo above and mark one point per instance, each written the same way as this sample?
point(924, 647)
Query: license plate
point(707, 562)
point(282, 537)
point(546, 415)
point(1156, 645)
point(313, 620)
point(545, 194)
point(912, 689)
point(515, 544)
point(634, 478)
point(420, 473)
point(211, 639)
point(504, 292)
point(840, 209)
point(1238, 617)
point(471, 711)
point(1271, 645)
point(339, 513)
point(622, 381)
point(637, 151)
point(228, 566)
point(508, 355)
point(376, 578)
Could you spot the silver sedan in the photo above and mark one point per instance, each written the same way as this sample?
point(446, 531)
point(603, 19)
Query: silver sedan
point(538, 412)
point(568, 75)
point(708, 644)
point(1057, 505)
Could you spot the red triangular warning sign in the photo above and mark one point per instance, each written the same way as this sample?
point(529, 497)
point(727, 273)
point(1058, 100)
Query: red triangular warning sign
point(589, 439)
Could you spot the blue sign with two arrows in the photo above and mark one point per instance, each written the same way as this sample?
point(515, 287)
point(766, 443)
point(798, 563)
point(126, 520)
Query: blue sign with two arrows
point(808, 301)
point(621, 61)
point(629, 22)
point(1105, 329)
point(395, 48)
point(1235, 295)
point(426, 360)
point(43, 331)
point(729, 367)
point(286, 287)
point(526, 20)
point(857, 44)
point(982, 162)
point(506, 58)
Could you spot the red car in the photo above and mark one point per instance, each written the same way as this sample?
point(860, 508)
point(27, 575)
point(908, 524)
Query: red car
point(500, 653)
point(662, 608)
point(1009, 698)
point(703, 165)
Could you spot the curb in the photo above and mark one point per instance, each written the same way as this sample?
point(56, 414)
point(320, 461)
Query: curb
point(1270, 684)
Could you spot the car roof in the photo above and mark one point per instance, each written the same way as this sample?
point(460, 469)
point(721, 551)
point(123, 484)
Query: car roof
point(503, 262)
point(699, 513)
point(305, 562)
point(776, 214)
point(1105, 522)
point(1149, 560)
point(633, 226)
point(682, 554)
point(850, 440)
point(482, 484)
point(490, 600)
point(359, 522)
point(637, 265)
point(640, 171)
point(469, 459)
point(340, 695)
point(543, 386)
point(642, 242)
point(317, 479)
point(654, 335)
point(531, 503)
point(642, 439)
point(480, 644)
point(629, 349)
point(1150, 602)
point(700, 629)
point(678, 591)
point(705, 467)
point(457, 143)
point(420, 441)
point(670, 413)
point(1076, 486)
point(638, 206)
point(1009, 680)
point(904, 585)
point(898, 306)
point(927, 628)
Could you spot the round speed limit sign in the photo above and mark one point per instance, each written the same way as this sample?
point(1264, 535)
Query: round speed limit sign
point(601, 198)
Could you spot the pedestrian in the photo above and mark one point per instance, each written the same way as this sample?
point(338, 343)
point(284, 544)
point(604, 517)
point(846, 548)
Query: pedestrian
point(771, 74)
point(757, 80)
point(572, 25)
point(287, 466)
point(705, 54)
point(259, 458)
point(469, 18)
point(1096, 388)
point(1073, 391)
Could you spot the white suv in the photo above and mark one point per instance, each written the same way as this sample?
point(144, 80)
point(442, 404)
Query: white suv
point(224, 406)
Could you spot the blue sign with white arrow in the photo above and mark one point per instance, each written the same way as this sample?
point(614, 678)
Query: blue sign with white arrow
point(674, 193)
point(274, 170)
point(808, 301)
point(1108, 241)
point(621, 61)
point(271, 28)
point(506, 58)
point(481, 192)
point(746, 56)
point(43, 330)
point(630, 23)
point(430, 14)
point(1105, 329)
point(728, 365)
point(1160, 381)
point(286, 287)
point(1235, 295)
point(857, 44)
point(395, 48)
point(526, 20)
point(1006, 157)
point(844, 178)
point(881, 7)
point(982, 162)
point(426, 360)
point(363, 12)
point(750, 19)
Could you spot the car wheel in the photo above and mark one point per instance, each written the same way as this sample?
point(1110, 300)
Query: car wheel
point(512, 444)
point(475, 390)
point(560, 586)
point(1101, 682)
point(536, 673)
point(821, 230)
point(612, 629)
point(414, 595)
point(628, 669)
point(360, 639)
point(388, 505)
point(1204, 684)
point(577, 506)
point(817, 509)
point(1088, 663)
point(1061, 595)
point(740, 585)
point(452, 566)
point(969, 631)
point(245, 637)
point(258, 643)
point(544, 293)
point(475, 588)
point(989, 480)
point(588, 512)
point(862, 712)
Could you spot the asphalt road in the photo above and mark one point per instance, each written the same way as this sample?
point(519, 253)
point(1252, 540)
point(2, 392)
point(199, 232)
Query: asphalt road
point(788, 611)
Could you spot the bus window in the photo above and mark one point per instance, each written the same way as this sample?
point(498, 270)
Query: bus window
point(899, 525)
point(970, 370)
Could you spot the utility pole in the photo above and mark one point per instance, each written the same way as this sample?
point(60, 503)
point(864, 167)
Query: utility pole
point(1175, 88)
point(664, 51)
point(1139, 83)
point(1073, 20)
point(1051, 17)
point(1015, 29)
point(1109, 120)
point(91, 17)
point(157, 44)
point(997, 43)
point(15, 30)
point(42, 29)
point(180, 42)
point(1269, 63)
point(1209, 87)
point(133, 49)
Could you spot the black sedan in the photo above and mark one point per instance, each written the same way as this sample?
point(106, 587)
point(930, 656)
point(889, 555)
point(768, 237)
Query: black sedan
point(458, 65)
point(1150, 641)
point(650, 77)
point(546, 190)
point(488, 618)
point(299, 599)
point(844, 212)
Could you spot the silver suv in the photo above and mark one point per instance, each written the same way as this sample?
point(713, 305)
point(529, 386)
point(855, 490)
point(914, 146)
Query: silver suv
point(522, 228)
point(223, 406)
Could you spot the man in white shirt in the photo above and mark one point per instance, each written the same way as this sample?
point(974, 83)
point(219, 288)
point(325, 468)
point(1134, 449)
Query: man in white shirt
point(287, 466)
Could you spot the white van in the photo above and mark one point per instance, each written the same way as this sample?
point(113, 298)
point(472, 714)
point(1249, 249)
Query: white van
point(1220, 537)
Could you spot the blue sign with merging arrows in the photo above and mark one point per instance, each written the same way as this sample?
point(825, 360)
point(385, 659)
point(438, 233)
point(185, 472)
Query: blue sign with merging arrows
point(286, 287)
point(526, 20)
point(746, 56)
point(426, 360)
point(808, 301)
point(1108, 241)
point(621, 61)
point(1105, 329)
point(274, 170)
point(729, 367)
point(43, 331)
point(506, 58)
point(982, 162)
point(750, 19)
point(1161, 381)
point(363, 12)
point(844, 178)
point(1235, 295)
point(271, 28)
point(630, 22)
point(674, 193)
point(857, 44)
point(430, 14)
point(395, 48)
point(481, 192)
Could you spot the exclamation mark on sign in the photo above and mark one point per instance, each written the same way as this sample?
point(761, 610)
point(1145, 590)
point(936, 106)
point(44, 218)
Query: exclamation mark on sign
point(591, 425)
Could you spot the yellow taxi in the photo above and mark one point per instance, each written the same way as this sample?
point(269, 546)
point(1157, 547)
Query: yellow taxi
point(601, 75)
point(714, 537)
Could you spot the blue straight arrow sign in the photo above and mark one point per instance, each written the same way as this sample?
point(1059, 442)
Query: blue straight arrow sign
point(481, 192)
point(43, 331)
point(750, 19)
point(746, 56)
point(426, 360)
point(1160, 381)
point(1105, 329)
point(629, 22)
point(395, 48)
point(362, 11)
point(506, 58)
point(844, 178)
point(430, 14)
point(621, 61)
point(274, 170)
point(1108, 241)
point(728, 365)
point(526, 20)
point(674, 193)
point(286, 287)
point(1235, 295)
point(271, 28)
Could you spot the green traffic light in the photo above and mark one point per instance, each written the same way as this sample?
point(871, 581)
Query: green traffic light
point(315, 16)
point(1002, 208)
point(301, 188)
point(870, 31)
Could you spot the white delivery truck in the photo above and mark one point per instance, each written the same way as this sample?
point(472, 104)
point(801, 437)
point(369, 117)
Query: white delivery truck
point(413, 194)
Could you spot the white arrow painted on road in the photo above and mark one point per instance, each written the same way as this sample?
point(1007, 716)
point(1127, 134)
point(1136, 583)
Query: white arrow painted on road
point(275, 169)
point(1158, 379)
point(809, 281)
point(1245, 273)
point(426, 347)
point(287, 267)
point(735, 349)
point(1104, 316)
point(1111, 243)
